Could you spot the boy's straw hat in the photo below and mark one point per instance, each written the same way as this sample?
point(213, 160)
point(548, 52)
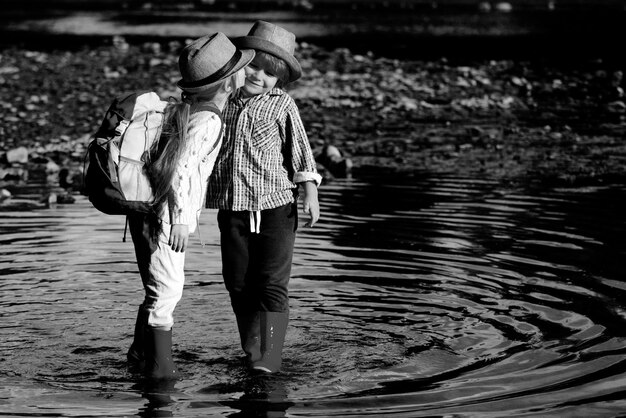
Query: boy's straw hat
point(208, 60)
point(281, 43)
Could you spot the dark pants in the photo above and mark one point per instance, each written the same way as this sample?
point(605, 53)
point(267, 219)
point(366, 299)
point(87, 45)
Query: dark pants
point(145, 245)
point(257, 266)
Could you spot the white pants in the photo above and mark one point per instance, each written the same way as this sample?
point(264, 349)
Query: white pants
point(161, 270)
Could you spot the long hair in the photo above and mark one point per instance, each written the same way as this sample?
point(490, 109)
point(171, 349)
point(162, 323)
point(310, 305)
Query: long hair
point(166, 153)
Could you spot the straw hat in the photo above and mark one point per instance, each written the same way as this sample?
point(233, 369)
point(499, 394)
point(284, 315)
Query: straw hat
point(208, 60)
point(281, 43)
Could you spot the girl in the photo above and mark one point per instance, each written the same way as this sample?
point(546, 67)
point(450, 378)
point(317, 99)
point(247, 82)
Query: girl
point(212, 69)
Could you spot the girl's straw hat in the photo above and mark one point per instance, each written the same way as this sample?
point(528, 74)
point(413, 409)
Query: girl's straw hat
point(208, 60)
point(281, 43)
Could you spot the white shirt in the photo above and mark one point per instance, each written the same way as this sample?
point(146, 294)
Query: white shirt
point(194, 168)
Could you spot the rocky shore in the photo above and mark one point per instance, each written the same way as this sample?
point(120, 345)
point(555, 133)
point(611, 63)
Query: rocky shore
point(511, 120)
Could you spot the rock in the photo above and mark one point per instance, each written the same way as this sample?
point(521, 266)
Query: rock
point(65, 198)
point(49, 199)
point(17, 155)
point(21, 205)
point(52, 167)
point(332, 153)
point(504, 7)
point(617, 106)
point(65, 179)
point(484, 6)
point(334, 163)
point(4, 194)
point(14, 174)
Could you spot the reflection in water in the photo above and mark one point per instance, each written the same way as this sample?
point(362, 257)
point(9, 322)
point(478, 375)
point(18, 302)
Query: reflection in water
point(264, 396)
point(421, 297)
point(158, 394)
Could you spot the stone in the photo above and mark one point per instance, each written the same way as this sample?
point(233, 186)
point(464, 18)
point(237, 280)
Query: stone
point(17, 155)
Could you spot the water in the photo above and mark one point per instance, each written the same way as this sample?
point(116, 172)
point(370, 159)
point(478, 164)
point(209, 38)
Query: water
point(429, 296)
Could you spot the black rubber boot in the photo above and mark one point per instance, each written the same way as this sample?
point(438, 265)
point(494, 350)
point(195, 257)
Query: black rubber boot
point(249, 327)
point(159, 362)
point(273, 329)
point(136, 352)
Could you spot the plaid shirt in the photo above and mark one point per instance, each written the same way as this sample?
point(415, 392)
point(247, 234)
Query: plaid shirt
point(264, 154)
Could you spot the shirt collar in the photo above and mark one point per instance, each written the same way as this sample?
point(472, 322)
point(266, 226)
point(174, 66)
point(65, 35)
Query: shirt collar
point(237, 99)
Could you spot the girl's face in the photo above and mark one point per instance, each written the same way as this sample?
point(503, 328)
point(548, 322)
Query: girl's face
point(258, 81)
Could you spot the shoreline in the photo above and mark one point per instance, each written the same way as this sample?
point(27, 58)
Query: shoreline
point(520, 122)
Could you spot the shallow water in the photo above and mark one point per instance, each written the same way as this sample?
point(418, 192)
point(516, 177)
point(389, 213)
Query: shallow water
point(430, 297)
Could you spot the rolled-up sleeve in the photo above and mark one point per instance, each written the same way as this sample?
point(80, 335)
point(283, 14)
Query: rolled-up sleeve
point(302, 162)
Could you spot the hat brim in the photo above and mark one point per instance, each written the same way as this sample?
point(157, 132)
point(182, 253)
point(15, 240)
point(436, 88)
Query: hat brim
point(254, 42)
point(247, 56)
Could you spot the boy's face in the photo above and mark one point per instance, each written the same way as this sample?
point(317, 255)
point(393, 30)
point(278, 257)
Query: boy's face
point(258, 81)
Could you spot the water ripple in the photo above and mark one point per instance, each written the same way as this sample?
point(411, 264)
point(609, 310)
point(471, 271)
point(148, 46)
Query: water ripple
point(420, 297)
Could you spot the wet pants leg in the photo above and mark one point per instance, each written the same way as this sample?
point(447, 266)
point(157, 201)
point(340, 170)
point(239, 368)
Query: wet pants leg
point(163, 277)
point(161, 270)
point(256, 270)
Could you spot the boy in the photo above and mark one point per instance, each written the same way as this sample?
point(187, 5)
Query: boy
point(266, 155)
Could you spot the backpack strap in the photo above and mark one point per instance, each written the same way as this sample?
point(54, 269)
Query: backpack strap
point(125, 229)
point(212, 108)
point(120, 109)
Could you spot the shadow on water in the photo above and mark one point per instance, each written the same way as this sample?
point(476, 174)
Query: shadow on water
point(422, 296)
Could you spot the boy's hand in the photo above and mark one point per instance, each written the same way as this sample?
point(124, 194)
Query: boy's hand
point(179, 236)
point(310, 204)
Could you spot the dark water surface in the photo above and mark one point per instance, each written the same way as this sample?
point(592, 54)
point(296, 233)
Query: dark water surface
point(461, 32)
point(427, 296)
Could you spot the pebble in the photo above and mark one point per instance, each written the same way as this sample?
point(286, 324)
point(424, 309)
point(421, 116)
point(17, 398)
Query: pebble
point(17, 155)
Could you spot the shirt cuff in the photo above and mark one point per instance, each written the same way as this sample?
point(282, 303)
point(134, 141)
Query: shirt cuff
point(179, 218)
point(302, 176)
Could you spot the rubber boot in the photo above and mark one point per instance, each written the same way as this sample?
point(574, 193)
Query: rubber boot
point(249, 327)
point(273, 329)
point(136, 355)
point(159, 362)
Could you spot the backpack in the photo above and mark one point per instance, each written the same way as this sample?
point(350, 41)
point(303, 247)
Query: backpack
point(115, 180)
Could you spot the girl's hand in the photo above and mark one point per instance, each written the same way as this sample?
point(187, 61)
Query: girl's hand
point(310, 204)
point(179, 236)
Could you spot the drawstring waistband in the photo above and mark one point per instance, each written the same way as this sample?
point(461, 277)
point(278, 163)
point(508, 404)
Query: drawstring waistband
point(255, 221)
